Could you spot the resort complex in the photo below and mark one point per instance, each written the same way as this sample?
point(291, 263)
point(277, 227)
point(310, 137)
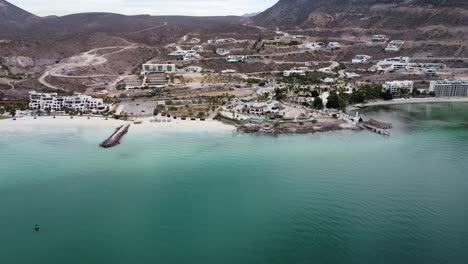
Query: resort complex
point(51, 102)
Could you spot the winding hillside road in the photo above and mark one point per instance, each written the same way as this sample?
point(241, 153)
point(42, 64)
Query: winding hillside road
point(87, 59)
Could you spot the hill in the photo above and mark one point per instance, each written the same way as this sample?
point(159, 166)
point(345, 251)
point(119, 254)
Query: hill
point(13, 17)
point(390, 14)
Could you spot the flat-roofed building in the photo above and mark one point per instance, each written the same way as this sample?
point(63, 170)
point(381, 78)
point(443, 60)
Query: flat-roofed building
point(297, 72)
point(222, 52)
point(148, 68)
point(361, 59)
point(395, 45)
point(397, 63)
point(157, 80)
point(236, 58)
point(448, 88)
point(193, 69)
point(379, 38)
point(396, 87)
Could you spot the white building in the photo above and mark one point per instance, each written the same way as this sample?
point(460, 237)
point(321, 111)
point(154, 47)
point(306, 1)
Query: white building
point(314, 45)
point(222, 52)
point(334, 45)
point(361, 59)
point(193, 69)
point(220, 41)
point(298, 72)
point(397, 63)
point(449, 88)
point(148, 68)
point(130, 83)
point(185, 54)
point(379, 38)
point(395, 87)
point(228, 71)
point(236, 58)
point(195, 40)
point(198, 48)
point(395, 45)
point(78, 102)
point(351, 75)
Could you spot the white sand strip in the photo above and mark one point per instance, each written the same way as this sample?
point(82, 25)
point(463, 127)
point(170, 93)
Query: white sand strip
point(97, 122)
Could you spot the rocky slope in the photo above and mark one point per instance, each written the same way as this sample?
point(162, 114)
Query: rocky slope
point(14, 18)
point(390, 14)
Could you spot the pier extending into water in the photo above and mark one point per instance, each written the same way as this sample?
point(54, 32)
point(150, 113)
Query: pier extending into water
point(377, 130)
point(116, 137)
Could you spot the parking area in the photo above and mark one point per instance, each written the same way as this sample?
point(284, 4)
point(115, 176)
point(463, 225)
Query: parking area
point(136, 108)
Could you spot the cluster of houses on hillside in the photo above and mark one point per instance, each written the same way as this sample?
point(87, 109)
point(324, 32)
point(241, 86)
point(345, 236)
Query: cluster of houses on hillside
point(404, 64)
point(54, 103)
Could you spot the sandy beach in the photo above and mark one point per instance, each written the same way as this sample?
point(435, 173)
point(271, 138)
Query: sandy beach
point(99, 122)
point(417, 101)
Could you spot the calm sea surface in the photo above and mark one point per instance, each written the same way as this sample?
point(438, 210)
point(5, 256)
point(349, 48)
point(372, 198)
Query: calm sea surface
point(221, 197)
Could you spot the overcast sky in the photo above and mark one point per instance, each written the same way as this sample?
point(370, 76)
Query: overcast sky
point(152, 7)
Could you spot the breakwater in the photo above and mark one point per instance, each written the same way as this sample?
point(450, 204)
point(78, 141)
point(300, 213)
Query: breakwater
point(114, 139)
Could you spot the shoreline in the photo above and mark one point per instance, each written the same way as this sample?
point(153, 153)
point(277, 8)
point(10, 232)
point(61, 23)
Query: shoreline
point(29, 122)
point(413, 101)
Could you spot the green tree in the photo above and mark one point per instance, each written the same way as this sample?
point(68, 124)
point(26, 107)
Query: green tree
point(314, 93)
point(280, 94)
point(318, 103)
point(336, 102)
point(387, 95)
point(357, 97)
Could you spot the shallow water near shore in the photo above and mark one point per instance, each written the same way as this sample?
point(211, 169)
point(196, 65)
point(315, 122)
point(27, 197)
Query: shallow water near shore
point(224, 197)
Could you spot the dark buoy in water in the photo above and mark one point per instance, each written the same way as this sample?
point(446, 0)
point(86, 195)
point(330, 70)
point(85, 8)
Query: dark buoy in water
point(36, 228)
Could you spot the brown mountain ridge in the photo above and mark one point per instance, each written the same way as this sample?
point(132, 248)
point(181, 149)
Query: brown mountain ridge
point(389, 14)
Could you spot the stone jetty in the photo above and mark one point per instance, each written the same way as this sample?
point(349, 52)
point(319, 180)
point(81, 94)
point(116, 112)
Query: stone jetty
point(116, 137)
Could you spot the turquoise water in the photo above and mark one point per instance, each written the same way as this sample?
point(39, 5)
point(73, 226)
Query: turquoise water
point(221, 197)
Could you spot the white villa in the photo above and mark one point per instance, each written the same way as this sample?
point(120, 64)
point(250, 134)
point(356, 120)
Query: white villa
point(334, 45)
point(379, 38)
point(185, 54)
point(314, 45)
point(220, 41)
point(395, 45)
point(228, 71)
point(299, 72)
point(148, 68)
point(361, 59)
point(448, 88)
point(198, 48)
point(222, 52)
point(236, 58)
point(397, 63)
point(55, 103)
point(395, 87)
point(195, 69)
